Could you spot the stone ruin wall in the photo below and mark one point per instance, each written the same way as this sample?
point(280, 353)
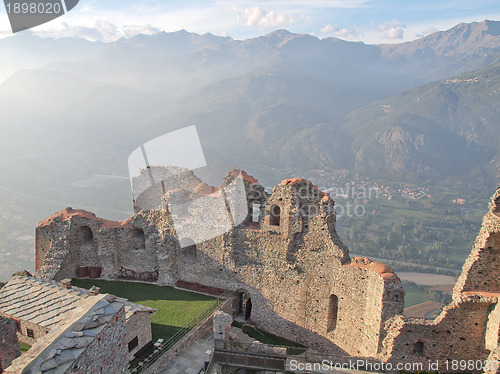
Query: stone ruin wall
point(481, 269)
point(9, 345)
point(458, 333)
point(491, 337)
point(302, 254)
point(467, 328)
point(107, 353)
point(305, 257)
point(22, 334)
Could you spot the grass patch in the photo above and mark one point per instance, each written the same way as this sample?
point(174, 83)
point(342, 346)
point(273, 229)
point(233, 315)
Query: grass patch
point(414, 295)
point(175, 308)
point(24, 347)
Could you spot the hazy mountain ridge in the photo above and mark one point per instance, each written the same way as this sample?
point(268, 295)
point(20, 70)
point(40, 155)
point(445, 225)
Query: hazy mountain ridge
point(479, 38)
point(278, 105)
point(442, 129)
point(463, 48)
point(28, 51)
point(279, 99)
point(181, 61)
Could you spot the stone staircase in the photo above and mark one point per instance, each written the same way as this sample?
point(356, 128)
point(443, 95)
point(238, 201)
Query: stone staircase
point(235, 333)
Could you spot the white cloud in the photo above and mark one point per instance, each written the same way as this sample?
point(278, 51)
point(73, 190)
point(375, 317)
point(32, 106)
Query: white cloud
point(329, 28)
point(261, 19)
point(99, 29)
point(310, 4)
point(395, 33)
point(345, 33)
point(348, 33)
point(393, 29)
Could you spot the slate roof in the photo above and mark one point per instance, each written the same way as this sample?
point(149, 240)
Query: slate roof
point(46, 303)
point(55, 352)
point(72, 316)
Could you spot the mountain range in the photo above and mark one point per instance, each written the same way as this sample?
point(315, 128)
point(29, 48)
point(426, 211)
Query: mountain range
point(420, 111)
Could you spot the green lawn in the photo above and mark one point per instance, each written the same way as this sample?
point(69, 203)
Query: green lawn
point(175, 308)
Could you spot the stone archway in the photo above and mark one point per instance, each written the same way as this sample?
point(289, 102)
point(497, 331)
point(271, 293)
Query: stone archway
point(243, 306)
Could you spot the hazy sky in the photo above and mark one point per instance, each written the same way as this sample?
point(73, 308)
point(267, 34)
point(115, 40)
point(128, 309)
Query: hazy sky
point(371, 21)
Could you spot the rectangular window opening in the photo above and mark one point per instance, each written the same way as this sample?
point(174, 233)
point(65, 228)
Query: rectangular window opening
point(30, 333)
point(133, 343)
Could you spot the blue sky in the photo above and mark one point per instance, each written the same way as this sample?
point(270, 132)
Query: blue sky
point(370, 21)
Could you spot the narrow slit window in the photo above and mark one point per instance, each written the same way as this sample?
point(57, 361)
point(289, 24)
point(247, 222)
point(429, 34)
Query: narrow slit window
point(333, 309)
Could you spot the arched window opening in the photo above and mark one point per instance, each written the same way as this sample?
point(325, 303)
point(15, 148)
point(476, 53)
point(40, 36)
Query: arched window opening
point(275, 215)
point(137, 239)
point(85, 235)
point(88, 263)
point(333, 308)
point(244, 306)
point(418, 348)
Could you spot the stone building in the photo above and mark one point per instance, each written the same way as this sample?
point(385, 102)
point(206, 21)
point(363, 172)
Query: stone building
point(91, 339)
point(284, 262)
point(9, 345)
point(38, 306)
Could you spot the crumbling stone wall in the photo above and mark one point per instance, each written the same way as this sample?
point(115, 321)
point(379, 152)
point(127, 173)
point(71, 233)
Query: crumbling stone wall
point(38, 332)
point(458, 333)
point(271, 259)
point(468, 328)
point(289, 261)
point(107, 353)
point(481, 269)
point(9, 345)
point(491, 338)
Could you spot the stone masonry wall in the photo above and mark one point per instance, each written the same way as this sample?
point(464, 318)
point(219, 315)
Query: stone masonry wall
point(272, 260)
point(491, 338)
point(457, 334)
point(290, 263)
point(481, 269)
point(138, 325)
point(9, 345)
point(107, 353)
